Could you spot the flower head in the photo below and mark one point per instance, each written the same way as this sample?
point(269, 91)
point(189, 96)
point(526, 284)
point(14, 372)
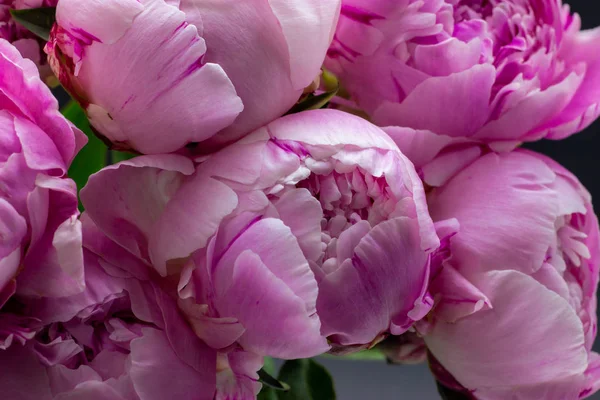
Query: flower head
point(493, 71)
point(515, 309)
point(155, 76)
point(269, 237)
point(40, 236)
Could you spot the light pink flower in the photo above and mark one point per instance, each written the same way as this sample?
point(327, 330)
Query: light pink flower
point(270, 237)
point(120, 339)
point(40, 250)
point(30, 45)
point(494, 71)
point(515, 312)
point(231, 373)
point(156, 75)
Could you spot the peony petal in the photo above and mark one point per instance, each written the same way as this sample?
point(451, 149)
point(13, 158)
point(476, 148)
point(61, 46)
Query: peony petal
point(278, 249)
point(13, 229)
point(89, 19)
point(500, 347)
point(155, 367)
point(383, 286)
point(432, 105)
point(516, 205)
point(22, 377)
point(141, 188)
point(166, 115)
point(302, 214)
point(190, 219)
point(54, 260)
point(276, 320)
point(308, 28)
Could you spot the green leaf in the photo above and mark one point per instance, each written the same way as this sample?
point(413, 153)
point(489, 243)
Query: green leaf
point(37, 20)
point(91, 158)
point(267, 380)
point(118, 156)
point(449, 394)
point(267, 392)
point(312, 102)
point(308, 380)
point(365, 355)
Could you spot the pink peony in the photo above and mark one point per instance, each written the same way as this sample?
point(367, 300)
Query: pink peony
point(26, 42)
point(515, 312)
point(499, 72)
point(40, 250)
point(227, 374)
point(121, 339)
point(153, 77)
point(269, 238)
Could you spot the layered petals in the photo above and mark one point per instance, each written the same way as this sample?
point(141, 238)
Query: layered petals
point(499, 72)
point(515, 312)
point(41, 251)
point(254, 275)
point(187, 71)
point(119, 339)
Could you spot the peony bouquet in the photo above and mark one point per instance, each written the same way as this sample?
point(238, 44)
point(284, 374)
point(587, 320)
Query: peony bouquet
point(237, 183)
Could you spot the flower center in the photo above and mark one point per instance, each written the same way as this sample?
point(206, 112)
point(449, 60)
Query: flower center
point(346, 199)
point(571, 241)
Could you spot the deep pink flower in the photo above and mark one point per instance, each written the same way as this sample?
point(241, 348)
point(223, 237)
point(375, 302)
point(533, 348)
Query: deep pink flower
point(154, 75)
point(120, 339)
point(40, 250)
point(317, 203)
point(515, 312)
point(30, 46)
point(493, 71)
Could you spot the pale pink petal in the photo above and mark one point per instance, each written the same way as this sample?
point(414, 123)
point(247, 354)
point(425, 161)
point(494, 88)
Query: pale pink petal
point(157, 373)
point(438, 96)
point(516, 204)
point(141, 188)
point(308, 29)
point(289, 332)
point(382, 287)
point(543, 342)
point(190, 219)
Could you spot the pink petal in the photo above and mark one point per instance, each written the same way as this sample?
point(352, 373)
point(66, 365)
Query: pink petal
point(499, 347)
point(302, 213)
point(141, 188)
point(432, 105)
point(384, 288)
point(105, 20)
point(188, 98)
point(22, 377)
point(276, 319)
point(308, 28)
point(155, 368)
point(501, 202)
point(190, 219)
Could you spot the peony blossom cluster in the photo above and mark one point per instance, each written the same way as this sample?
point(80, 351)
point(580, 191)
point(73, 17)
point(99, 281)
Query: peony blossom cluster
point(257, 220)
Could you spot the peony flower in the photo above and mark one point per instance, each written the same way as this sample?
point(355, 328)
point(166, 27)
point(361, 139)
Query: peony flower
point(40, 250)
point(268, 238)
point(154, 77)
point(232, 373)
point(515, 312)
point(121, 339)
point(27, 43)
point(498, 72)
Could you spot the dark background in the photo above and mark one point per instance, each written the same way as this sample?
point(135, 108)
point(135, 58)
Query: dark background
point(372, 380)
